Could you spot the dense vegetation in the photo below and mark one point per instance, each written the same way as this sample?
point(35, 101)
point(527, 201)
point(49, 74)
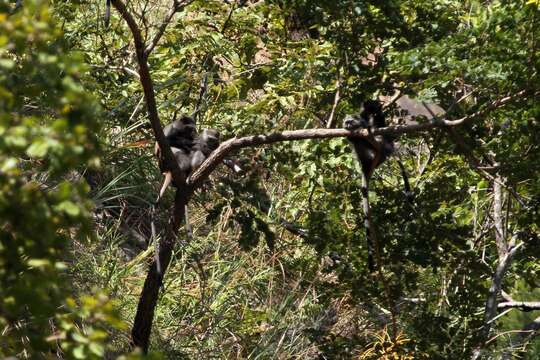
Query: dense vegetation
point(277, 265)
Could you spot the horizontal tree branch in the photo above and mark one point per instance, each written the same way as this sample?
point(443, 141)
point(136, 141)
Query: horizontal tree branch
point(198, 176)
point(521, 305)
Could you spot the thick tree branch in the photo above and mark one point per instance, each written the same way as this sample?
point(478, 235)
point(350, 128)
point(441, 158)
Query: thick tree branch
point(226, 147)
point(142, 325)
point(521, 305)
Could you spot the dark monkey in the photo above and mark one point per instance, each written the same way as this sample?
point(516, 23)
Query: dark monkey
point(370, 152)
point(207, 142)
point(180, 134)
point(189, 149)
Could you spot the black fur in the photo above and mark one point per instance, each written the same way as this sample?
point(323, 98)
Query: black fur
point(370, 152)
point(180, 134)
point(189, 148)
point(207, 142)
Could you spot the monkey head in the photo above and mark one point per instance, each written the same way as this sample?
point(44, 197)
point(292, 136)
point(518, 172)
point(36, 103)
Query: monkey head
point(355, 121)
point(369, 116)
point(205, 143)
point(181, 132)
point(209, 140)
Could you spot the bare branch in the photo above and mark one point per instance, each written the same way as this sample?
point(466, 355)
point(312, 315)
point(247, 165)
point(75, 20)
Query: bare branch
point(500, 238)
point(337, 97)
point(494, 290)
point(522, 339)
point(125, 69)
point(521, 305)
point(506, 296)
point(494, 105)
point(237, 143)
point(393, 99)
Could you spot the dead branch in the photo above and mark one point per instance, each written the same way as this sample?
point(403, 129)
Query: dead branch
point(494, 290)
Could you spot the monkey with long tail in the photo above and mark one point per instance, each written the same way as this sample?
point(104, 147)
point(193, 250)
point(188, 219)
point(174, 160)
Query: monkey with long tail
point(370, 152)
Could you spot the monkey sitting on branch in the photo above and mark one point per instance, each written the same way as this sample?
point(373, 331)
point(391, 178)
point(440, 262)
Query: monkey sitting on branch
point(189, 149)
point(371, 152)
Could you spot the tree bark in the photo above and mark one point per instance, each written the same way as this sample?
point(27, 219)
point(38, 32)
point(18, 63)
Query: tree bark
point(142, 326)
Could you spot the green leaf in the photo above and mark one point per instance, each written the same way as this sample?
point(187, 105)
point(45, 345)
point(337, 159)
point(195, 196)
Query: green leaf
point(38, 149)
point(69, 208)
point(97, 349)
point(79, 352)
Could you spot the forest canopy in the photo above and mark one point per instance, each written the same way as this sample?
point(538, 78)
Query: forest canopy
point(258, 248)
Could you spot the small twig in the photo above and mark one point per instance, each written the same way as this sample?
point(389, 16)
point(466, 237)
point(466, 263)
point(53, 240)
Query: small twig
point(508, 332)
point(492, 106)
point(136, 109)
point(337, 97)
point(506, 296)
point(226, 23)
point(500, 315)
point(175, 7)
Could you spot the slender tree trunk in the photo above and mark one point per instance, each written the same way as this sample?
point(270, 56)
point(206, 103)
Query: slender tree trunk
point(142, 326)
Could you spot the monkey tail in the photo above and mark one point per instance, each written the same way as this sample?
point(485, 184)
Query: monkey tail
point(367, 221)
point(107, 17)
point(373, 244)
point(367, 171)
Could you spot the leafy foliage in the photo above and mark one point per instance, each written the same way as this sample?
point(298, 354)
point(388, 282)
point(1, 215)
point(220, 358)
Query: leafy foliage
point(48, 127)
point(277, 267)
